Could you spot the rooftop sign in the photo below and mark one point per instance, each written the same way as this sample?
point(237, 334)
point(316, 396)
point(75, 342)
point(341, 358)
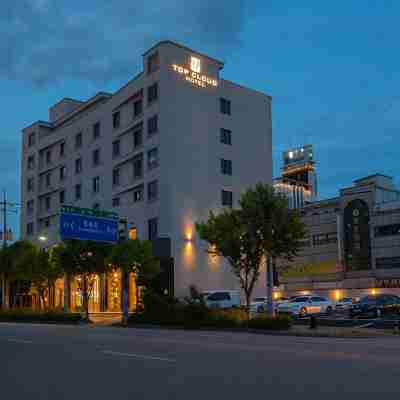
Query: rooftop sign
point(193, 74)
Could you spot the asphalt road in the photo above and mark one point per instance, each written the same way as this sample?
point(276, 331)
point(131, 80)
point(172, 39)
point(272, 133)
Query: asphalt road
point(65, 362)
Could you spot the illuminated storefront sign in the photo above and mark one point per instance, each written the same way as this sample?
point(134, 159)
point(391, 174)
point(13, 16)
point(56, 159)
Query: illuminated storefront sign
point(193, 74)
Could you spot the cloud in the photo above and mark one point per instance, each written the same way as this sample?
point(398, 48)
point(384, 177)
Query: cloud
point(45, 41)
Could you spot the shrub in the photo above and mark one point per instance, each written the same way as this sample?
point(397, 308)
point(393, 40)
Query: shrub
point(269, 323)
point(45, 316)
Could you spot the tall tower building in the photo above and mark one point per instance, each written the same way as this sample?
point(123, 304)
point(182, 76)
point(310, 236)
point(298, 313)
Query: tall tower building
point(299, 179)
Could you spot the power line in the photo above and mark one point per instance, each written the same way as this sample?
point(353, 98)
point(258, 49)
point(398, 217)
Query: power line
point(7, 207)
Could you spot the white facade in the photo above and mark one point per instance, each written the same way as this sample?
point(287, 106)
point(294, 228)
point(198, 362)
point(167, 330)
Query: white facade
point(186, 165)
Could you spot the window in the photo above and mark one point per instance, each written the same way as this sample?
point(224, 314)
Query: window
point(31, 139)
point(226, 198)
point(78, 140)
point(318, 299)
point(116, 120)
point(152, 125)
point(116, 176)
point(116, 148)
point(226, 167)
point(225, 106)
point(62, 149)
point(96, 157)
point(138, 167)
point(388, 262)
point(137, 108)
point(153, 62)
point(96, 130)
point(78, 165)
point(48, 179)
point(219, 296)
point(63, 172)
point(96, 206)
point(62, 196)
point(138, 194)
point(29, 228)
point(152, 93)
point(30, 207)
point(153, 228)
point(48, 156)
point(96, 184)
point(387, 230)
point(225, 136)
point(152, 158)
point(48, 203)
point(31, 162)
point(324, 238)
point(78, 191)
point(115, 202)
point(152, 190)
point(47, 222)
point(137, 137)
point(29, 184)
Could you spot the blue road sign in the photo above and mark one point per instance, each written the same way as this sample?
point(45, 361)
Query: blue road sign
point(81, 227)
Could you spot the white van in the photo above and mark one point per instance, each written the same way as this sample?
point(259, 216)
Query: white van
point(222, 298)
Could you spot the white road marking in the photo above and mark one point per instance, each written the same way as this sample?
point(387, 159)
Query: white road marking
point(142, 356)
point(20, 341)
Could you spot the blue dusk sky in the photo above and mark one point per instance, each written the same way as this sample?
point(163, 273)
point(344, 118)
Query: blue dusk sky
point(332, 68)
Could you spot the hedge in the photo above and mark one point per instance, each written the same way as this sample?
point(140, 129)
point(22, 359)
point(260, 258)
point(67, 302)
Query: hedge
point(41, 316)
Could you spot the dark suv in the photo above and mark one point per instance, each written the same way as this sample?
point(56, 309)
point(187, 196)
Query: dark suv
point(376, 305)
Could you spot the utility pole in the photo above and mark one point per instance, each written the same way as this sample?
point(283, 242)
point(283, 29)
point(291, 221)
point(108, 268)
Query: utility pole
point(6, 207)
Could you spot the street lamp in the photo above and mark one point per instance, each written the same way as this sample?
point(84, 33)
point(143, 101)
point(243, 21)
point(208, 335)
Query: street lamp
point(42, 238)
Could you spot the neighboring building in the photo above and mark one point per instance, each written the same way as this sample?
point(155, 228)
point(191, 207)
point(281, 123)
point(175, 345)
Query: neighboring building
point(353, 245)
point(299, 179)
point(172, 144)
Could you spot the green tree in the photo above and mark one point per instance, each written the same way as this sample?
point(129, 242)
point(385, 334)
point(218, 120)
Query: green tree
point(133, 256)
point(44, 274)
point(17, 263)
point(85, 260)
point(262, 226)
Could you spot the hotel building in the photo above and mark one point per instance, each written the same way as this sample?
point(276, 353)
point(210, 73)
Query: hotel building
point(175, 142)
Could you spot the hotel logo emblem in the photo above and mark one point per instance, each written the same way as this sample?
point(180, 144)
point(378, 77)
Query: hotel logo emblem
point(195, 64)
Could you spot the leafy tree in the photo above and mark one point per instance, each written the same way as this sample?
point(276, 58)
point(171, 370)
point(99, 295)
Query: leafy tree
point(44, 274)
point(262, 226)
point(133, 256)
point(17, 262)
point(85, 259)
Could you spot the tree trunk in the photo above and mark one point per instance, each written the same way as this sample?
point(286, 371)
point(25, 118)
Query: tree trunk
point(247, 295)
point(125, 297)
point(85, 298)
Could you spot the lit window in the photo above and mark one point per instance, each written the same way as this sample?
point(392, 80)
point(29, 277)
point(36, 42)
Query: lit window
point(133, 233)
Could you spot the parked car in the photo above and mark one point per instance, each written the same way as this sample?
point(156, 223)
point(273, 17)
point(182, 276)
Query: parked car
point(376, 305)
point(260, 304)
point(344, 304)
point(302, 306)
point(222, 299)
